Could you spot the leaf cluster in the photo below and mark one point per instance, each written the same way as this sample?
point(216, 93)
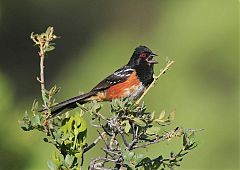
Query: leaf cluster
point(138, 128)
point(44, 39)
point(69, 138)
point(67, 133)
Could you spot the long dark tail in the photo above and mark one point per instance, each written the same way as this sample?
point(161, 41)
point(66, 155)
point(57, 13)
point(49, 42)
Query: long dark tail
point(69, 104)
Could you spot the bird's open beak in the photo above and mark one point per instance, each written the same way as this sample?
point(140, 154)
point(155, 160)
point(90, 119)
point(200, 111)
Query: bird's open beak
point(150, 58)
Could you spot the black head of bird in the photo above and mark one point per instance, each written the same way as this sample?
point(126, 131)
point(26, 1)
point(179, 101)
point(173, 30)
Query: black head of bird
point(142, 55)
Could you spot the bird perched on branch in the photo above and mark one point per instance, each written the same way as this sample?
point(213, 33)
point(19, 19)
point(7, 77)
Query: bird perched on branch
point(130, 81)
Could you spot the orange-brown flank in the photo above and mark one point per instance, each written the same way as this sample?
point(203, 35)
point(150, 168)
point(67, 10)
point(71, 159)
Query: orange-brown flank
point(122, 90)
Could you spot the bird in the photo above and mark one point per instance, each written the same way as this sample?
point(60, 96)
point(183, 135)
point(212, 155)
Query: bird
point(129, 81)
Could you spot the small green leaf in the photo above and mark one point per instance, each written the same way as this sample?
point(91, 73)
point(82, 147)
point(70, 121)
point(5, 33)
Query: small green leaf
point(49, 30)
point(69, 160)
point(139, 122)
point(24, 125)
point(162, 114)
point(127, 155)
point(49, 48)
point(51, 165)
point(54, 90)
point(153, 130)
point(127, 126)
point(152, 115)
point(34, 106)
point(185, 140)
point(83, 126)
point(138, 157)
point(171, 115)
point(45, 97)
point(191, 137)
point(36, 120)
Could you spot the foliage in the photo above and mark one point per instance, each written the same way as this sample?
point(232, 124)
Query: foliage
point(128, 127)
point(67, 134)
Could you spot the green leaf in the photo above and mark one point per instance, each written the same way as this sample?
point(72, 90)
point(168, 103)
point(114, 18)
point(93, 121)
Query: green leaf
point(138, 157)
point(69, 160)
point(152, 115)
point(191, 137)
point(127, 126)
point(67, 128)
point(127, 155)
point(56, 158)
point(45, 97)
point(139, 122)
point(49, 30)
point(185, 140)
point(83, 124)
point(162, 114)
point(24, 125)
point(171, 116)
point(49, 48)
point(153, 130)
point(36, 120)
point(54, 90)
point(51, 165)
point(34, 106)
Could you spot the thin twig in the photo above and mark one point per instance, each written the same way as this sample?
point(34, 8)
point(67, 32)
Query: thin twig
point(132, 144)
point(150, 143)
point(94, 164)
point(167, 136)
point(111, 143)
point(101, 136)
point(112, 152)
point(169, 63)
point(42, 81)
point(123, 137)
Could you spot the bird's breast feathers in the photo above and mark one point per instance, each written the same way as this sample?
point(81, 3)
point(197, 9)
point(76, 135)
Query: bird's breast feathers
point(132, 88)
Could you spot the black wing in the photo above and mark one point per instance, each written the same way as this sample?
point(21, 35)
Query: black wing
point(118, 76)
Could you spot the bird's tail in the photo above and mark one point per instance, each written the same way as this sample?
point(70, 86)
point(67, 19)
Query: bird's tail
point(69, 104)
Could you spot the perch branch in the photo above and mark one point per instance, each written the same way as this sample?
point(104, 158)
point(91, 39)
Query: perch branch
point(168, 65)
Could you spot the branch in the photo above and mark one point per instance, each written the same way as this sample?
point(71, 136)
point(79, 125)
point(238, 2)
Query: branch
point(168, 65)
point(42, 80)
point(101, 136)
point(43, 41)
point(167, 136)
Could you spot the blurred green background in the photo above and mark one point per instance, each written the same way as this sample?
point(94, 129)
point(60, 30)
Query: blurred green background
point(97, 37)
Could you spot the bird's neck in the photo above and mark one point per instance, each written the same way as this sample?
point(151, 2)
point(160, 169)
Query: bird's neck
point(145, 73)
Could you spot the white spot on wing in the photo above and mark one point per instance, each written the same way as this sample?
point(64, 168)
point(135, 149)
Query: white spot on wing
point(123, 72)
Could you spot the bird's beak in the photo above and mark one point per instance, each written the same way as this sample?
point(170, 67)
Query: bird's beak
point(153, 54)
point(150, 59)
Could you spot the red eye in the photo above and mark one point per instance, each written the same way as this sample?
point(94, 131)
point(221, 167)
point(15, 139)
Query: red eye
point(143, 55)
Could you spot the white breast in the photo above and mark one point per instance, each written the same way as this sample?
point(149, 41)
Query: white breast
point(135, 92)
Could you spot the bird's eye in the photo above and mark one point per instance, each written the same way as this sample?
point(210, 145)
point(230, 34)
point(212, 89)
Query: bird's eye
point(143, 55)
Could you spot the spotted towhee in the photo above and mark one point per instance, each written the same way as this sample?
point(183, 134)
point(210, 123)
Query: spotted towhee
point(130, 81)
